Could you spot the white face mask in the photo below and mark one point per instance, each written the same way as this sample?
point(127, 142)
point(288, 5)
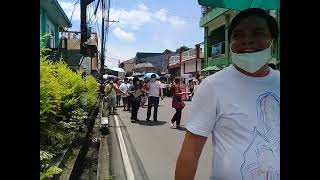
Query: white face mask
point(251, 62)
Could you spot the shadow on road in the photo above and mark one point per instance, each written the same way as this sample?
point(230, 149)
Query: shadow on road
point(181, 128)
point(151, 123)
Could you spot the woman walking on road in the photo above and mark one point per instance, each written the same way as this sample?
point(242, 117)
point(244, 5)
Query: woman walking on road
point(135, 92)
point(118, 92)
point(177, 102)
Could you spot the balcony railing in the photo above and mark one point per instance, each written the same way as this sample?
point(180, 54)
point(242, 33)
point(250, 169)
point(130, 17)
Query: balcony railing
point(211, 15)
point(190, 54)
point(174, 59)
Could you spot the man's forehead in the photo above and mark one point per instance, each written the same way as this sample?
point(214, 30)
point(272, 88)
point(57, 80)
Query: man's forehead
point(246, 28)
point(252, 21)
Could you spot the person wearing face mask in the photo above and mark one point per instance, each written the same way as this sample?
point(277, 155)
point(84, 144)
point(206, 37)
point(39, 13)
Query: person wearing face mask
point(135, 91)
point(154, 92)
point(238, 106)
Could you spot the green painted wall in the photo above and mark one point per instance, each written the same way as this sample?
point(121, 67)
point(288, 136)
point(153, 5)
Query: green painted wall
point(44, 28)
point(218, 62)
point(211, 16)
point(205, 47)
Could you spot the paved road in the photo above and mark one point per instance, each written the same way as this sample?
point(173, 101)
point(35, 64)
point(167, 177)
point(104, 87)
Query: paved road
point(157, 145)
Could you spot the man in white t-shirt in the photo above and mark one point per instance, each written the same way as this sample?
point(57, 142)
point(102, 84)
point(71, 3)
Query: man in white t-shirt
point(124, 90)
point(154, 92)
point(240, 107)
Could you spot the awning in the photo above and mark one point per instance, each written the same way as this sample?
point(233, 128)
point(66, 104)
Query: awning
point(137, 74)
point(117, 69)
point(174, 66)
point(211, 68)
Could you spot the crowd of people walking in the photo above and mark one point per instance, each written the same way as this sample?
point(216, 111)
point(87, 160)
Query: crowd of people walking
point(135, 93)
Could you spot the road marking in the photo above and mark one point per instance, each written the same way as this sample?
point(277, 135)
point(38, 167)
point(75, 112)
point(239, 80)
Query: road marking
point(125, 157)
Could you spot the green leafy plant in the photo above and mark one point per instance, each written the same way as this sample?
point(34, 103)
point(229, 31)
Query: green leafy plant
point(61, 117)
point(47, 171)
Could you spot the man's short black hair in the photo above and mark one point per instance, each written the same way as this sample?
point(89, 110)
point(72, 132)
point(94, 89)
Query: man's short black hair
point(153, 76)
point(271, 21)
point(135, 79)
point(126, 79)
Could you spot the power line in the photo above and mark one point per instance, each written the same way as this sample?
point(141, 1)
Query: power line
point(74, 6)
point(98, 27)
point(89, 21)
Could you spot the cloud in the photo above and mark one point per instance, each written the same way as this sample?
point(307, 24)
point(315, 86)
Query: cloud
point(133, 18)
point(176, 21)
point(161, 14)
point(123, 35)
point(143, 15)
point(114, 54)
point(143, 7)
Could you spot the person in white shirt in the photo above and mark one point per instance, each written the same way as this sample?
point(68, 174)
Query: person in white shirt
point(154, 92)
point(240, 107)
point(124, 90)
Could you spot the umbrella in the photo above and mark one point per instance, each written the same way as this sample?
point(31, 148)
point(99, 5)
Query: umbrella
point(148, 75)
point(242, 4)
point(117, 69)
point(107, 76)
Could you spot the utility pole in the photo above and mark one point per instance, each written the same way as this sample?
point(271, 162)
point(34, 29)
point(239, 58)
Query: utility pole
point(102, 39)
point(83, 25)
point(103, 36)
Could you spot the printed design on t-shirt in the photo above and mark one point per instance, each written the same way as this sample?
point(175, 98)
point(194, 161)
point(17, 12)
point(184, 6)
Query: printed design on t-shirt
point(262, 157)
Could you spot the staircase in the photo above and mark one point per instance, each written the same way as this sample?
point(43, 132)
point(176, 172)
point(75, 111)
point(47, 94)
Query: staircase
point(54, 54)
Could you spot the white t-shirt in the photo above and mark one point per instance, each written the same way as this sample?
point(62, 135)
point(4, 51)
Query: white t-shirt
point(243, 115)
point(154, 88)
point(163, 86)
point(124, 88)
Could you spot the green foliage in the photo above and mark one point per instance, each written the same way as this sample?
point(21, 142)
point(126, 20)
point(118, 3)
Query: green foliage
point(93, 89)
point(47, 171)
point(50, 172)
point(167, 51)
point(61, 118)
point(182, 49)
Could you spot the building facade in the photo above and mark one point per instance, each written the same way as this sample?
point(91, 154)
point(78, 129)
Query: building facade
point(52, 20)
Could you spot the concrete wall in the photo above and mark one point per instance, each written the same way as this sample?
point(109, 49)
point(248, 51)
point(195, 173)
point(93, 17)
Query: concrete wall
point(86, 65)
point(94, 63)
point(73, 41)
point(190, 66)
point(129, 67)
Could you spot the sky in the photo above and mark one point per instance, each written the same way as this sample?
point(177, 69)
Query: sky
point(144, 26)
